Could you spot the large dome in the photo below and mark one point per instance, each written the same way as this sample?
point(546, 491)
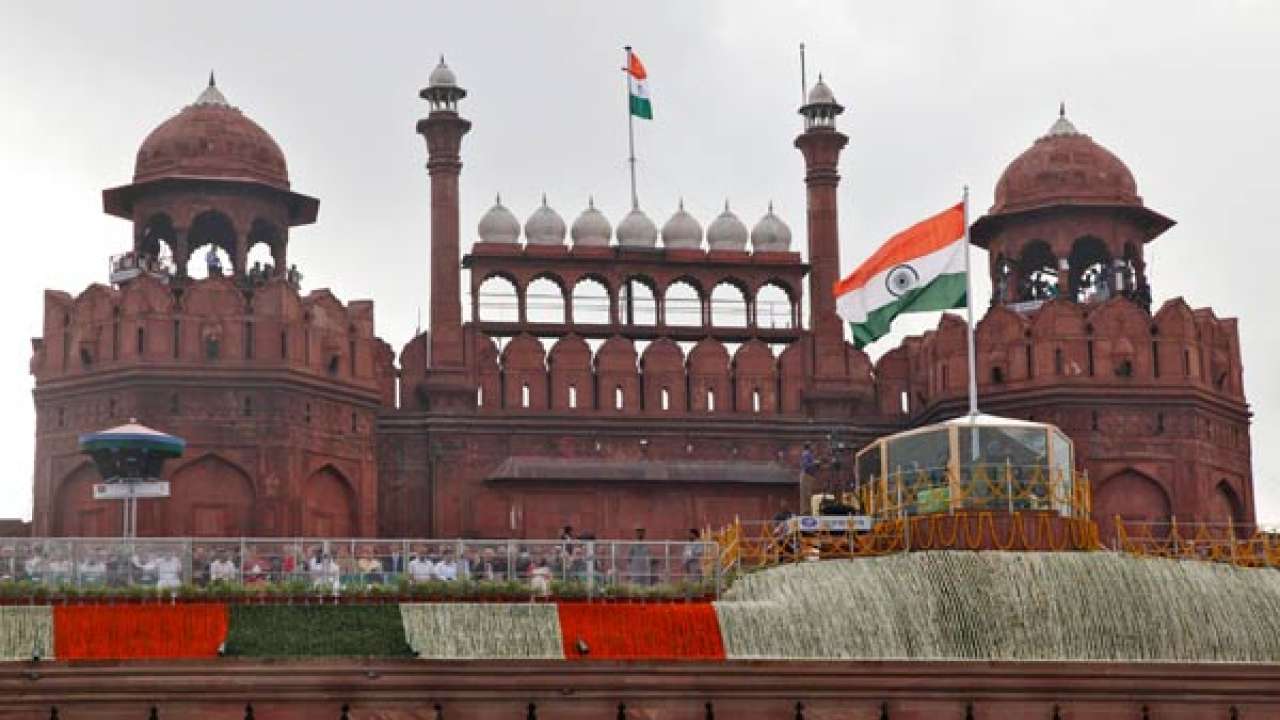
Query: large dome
point(1065, 167)
point(211, 139)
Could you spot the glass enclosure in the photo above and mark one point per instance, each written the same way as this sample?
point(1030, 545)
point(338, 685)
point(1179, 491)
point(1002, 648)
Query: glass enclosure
point(972, 463)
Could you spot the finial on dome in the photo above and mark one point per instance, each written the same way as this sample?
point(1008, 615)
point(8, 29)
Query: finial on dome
point(1062, 126)
point(497, 198)
point(544, 199)
point(726, 204)
point(211, 95)
point(591, 202)
point(770, 206)
point(680, 204)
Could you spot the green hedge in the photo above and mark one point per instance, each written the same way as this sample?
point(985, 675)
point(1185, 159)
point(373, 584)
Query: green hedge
point(317, 631)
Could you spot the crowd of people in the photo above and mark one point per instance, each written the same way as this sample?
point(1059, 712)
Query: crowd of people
point(334, 565)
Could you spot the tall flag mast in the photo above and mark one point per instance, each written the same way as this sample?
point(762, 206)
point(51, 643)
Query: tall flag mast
point(638, 106)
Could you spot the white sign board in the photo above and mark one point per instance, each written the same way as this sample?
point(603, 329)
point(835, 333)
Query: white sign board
point(125, 491)
point(828, 523)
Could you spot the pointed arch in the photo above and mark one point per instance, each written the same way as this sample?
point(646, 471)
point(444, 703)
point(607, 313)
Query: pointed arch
point(1133, 495)
point(76, 513)
point(210, 496)
point(329, 504)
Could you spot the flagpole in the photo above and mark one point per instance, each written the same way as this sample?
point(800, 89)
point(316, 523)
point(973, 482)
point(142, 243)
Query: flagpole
point(631, 131)
point(968, 304)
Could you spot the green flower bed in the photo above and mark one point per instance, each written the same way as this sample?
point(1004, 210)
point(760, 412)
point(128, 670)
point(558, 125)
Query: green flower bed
point(316, 631)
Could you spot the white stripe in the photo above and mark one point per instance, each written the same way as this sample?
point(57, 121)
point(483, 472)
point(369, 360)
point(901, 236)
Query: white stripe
point(639, 88)
point(856, 305)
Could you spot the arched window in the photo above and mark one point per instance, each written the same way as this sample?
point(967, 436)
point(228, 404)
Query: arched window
point(524, 395)
point(210, 230)
point(728, 306)
point(755, 401)
point(711, 400)
point(1091, 276)
point(1039, 270)
point(573, 396)
point(480, 396)
point(142, 341)
point(682, 305)
point(591, 302)
point(637, 303)
point(666, 399)
point(544, 301)
point(774, 308)
point(497, 300)
point(904, 401)
point(617, 398)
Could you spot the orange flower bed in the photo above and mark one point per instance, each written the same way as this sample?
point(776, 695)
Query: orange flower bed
point(657, 631)
point(128, 632)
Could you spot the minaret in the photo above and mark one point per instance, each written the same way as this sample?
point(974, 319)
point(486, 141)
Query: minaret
point(443, 129)
point(821, 144)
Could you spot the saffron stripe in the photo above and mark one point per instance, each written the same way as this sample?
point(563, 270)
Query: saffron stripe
point(132, 632)
point(649, 631)
point(920, 239)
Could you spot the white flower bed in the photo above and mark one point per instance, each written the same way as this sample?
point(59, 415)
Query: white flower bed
point(479, 631)
point(1005, 606)
point(25, 630)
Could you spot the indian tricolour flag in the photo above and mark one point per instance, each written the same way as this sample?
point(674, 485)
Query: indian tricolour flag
point(921, 268)
point(638, 87)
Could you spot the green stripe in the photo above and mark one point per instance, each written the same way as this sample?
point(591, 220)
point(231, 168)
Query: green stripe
point(316, 631)
point(944, 293)
point(641, 108)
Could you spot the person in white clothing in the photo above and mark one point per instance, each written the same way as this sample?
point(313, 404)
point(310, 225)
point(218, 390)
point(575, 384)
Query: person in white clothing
point(446, 569)
point(93, 571)
point(167, 569)
point(222, 570)
point(421, 569)
point(323, 571)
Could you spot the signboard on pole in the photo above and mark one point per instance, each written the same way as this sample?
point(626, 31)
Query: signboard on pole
point(128, 491)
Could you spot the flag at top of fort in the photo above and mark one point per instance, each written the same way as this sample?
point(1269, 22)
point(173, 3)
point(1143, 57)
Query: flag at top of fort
point(921, 268)
point(638, 87)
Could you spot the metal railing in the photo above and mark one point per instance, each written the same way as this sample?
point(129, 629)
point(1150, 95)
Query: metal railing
point(341, 565)
point(1243, 544)
point(977, 488)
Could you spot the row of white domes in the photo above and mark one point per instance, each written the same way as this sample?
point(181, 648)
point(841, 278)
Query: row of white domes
point(592, 229)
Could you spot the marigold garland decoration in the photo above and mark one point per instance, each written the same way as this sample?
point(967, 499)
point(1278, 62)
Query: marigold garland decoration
point(129, 632)
point(657, 631)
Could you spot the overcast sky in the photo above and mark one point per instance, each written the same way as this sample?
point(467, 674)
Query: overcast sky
point(937, 95)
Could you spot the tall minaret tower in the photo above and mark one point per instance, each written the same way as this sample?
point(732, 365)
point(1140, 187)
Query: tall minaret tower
point(443, 129)
point(821, 144)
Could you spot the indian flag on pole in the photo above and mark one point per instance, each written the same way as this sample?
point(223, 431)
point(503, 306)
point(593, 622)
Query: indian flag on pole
point(921, 268)
point(638, 87)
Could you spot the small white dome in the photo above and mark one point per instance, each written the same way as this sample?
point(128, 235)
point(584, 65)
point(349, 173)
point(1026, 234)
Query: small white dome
point(544, 226)
point(1062, 126)
point(212, 95)
point(498, 225)
point(637, 231)
point(442, 76)
point(821, 94)
point(592, 228)
point(727, 232)
point(682, 230)
point(771, 234)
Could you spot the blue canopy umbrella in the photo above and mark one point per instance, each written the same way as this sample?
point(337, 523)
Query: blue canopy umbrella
point(130, 451)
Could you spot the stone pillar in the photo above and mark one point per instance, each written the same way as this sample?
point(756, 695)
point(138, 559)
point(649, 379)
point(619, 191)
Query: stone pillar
point(821, 147)
point(443, 131)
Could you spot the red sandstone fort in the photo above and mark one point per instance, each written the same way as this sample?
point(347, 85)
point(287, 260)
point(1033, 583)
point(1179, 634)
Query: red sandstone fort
point(613, 378)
